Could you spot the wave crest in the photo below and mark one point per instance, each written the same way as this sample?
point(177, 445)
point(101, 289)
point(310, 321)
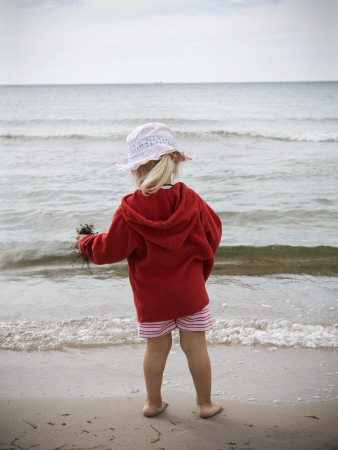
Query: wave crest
point(199, 135)
point(94, 332)
point(229, 260)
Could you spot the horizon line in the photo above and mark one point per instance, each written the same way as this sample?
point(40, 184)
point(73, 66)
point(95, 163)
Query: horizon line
point(163, 83)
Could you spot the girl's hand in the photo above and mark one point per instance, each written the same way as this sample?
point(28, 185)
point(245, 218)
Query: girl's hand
point(79, 238)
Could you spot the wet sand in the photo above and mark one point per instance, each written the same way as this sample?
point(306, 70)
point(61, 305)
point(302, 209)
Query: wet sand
point(254, 374)
point(93, 398)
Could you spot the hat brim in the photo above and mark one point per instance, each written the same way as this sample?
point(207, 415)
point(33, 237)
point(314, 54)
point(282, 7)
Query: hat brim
point(133, 163)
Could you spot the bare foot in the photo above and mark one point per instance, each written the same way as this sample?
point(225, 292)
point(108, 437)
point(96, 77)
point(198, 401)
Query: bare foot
point(205, 411)
point(153, 410)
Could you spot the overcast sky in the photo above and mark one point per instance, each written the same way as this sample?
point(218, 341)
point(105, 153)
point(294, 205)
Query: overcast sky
point(144, 41)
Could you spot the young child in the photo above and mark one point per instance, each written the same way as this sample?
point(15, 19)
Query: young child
point(169, 236)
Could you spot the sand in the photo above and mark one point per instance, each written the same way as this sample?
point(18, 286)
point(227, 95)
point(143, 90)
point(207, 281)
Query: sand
point(93, 399)
point(118, 423)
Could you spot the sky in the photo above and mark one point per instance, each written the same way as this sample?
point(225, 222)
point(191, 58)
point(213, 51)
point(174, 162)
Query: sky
point(147, 41)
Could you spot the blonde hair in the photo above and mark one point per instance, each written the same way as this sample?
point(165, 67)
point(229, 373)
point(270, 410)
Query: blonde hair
point(150, 177)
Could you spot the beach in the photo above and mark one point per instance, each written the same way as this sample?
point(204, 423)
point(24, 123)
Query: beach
point(117, 423)
point(264, 156)
point(93, 399)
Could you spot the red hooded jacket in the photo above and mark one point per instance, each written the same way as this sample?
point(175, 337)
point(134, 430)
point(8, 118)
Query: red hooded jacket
point(170, 239)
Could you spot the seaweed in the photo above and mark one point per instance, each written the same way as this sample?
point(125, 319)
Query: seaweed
point(80, 257)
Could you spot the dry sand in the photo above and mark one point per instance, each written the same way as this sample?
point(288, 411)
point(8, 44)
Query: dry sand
point(118, 423)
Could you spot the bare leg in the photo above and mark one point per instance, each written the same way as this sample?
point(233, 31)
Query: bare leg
point(153, 365)
point(195, 347)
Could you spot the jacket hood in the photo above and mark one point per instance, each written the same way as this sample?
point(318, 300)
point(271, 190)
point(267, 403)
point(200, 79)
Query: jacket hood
point(165, 218)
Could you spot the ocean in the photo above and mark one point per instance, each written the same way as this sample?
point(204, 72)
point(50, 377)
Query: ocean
point(264, 156)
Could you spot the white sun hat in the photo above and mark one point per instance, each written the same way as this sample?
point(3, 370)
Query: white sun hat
point(149, 142)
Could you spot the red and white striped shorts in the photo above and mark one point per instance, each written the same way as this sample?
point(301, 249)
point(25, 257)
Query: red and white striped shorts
point(200, 321)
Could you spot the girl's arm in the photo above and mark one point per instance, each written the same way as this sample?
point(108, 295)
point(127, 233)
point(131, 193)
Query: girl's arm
point(107, 248)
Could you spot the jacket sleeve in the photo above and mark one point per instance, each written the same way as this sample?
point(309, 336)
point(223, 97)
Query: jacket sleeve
point(212, 226)
point(107, 248)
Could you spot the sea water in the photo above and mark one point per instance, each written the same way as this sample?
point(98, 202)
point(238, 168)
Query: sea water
point(264, 156)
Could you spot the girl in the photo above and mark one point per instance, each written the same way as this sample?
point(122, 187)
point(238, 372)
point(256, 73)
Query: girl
point(169, 236)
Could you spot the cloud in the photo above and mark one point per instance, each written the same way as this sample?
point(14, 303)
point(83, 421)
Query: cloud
point(188, 40)
point(134, 8)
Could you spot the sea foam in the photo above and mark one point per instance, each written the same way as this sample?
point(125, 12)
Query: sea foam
point(94, 332)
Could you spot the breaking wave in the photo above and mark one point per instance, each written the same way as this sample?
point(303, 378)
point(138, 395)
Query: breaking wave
point(229, 260)
point(28, 335)
point(191, 135)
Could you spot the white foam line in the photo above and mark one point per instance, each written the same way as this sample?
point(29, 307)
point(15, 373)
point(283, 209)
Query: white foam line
point(95, 332)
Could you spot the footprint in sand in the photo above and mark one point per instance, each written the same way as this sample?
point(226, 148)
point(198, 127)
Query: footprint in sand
point(178, 429)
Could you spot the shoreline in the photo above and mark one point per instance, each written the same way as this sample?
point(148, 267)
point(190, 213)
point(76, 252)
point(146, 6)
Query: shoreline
point(117, 422)
point(248, 374)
